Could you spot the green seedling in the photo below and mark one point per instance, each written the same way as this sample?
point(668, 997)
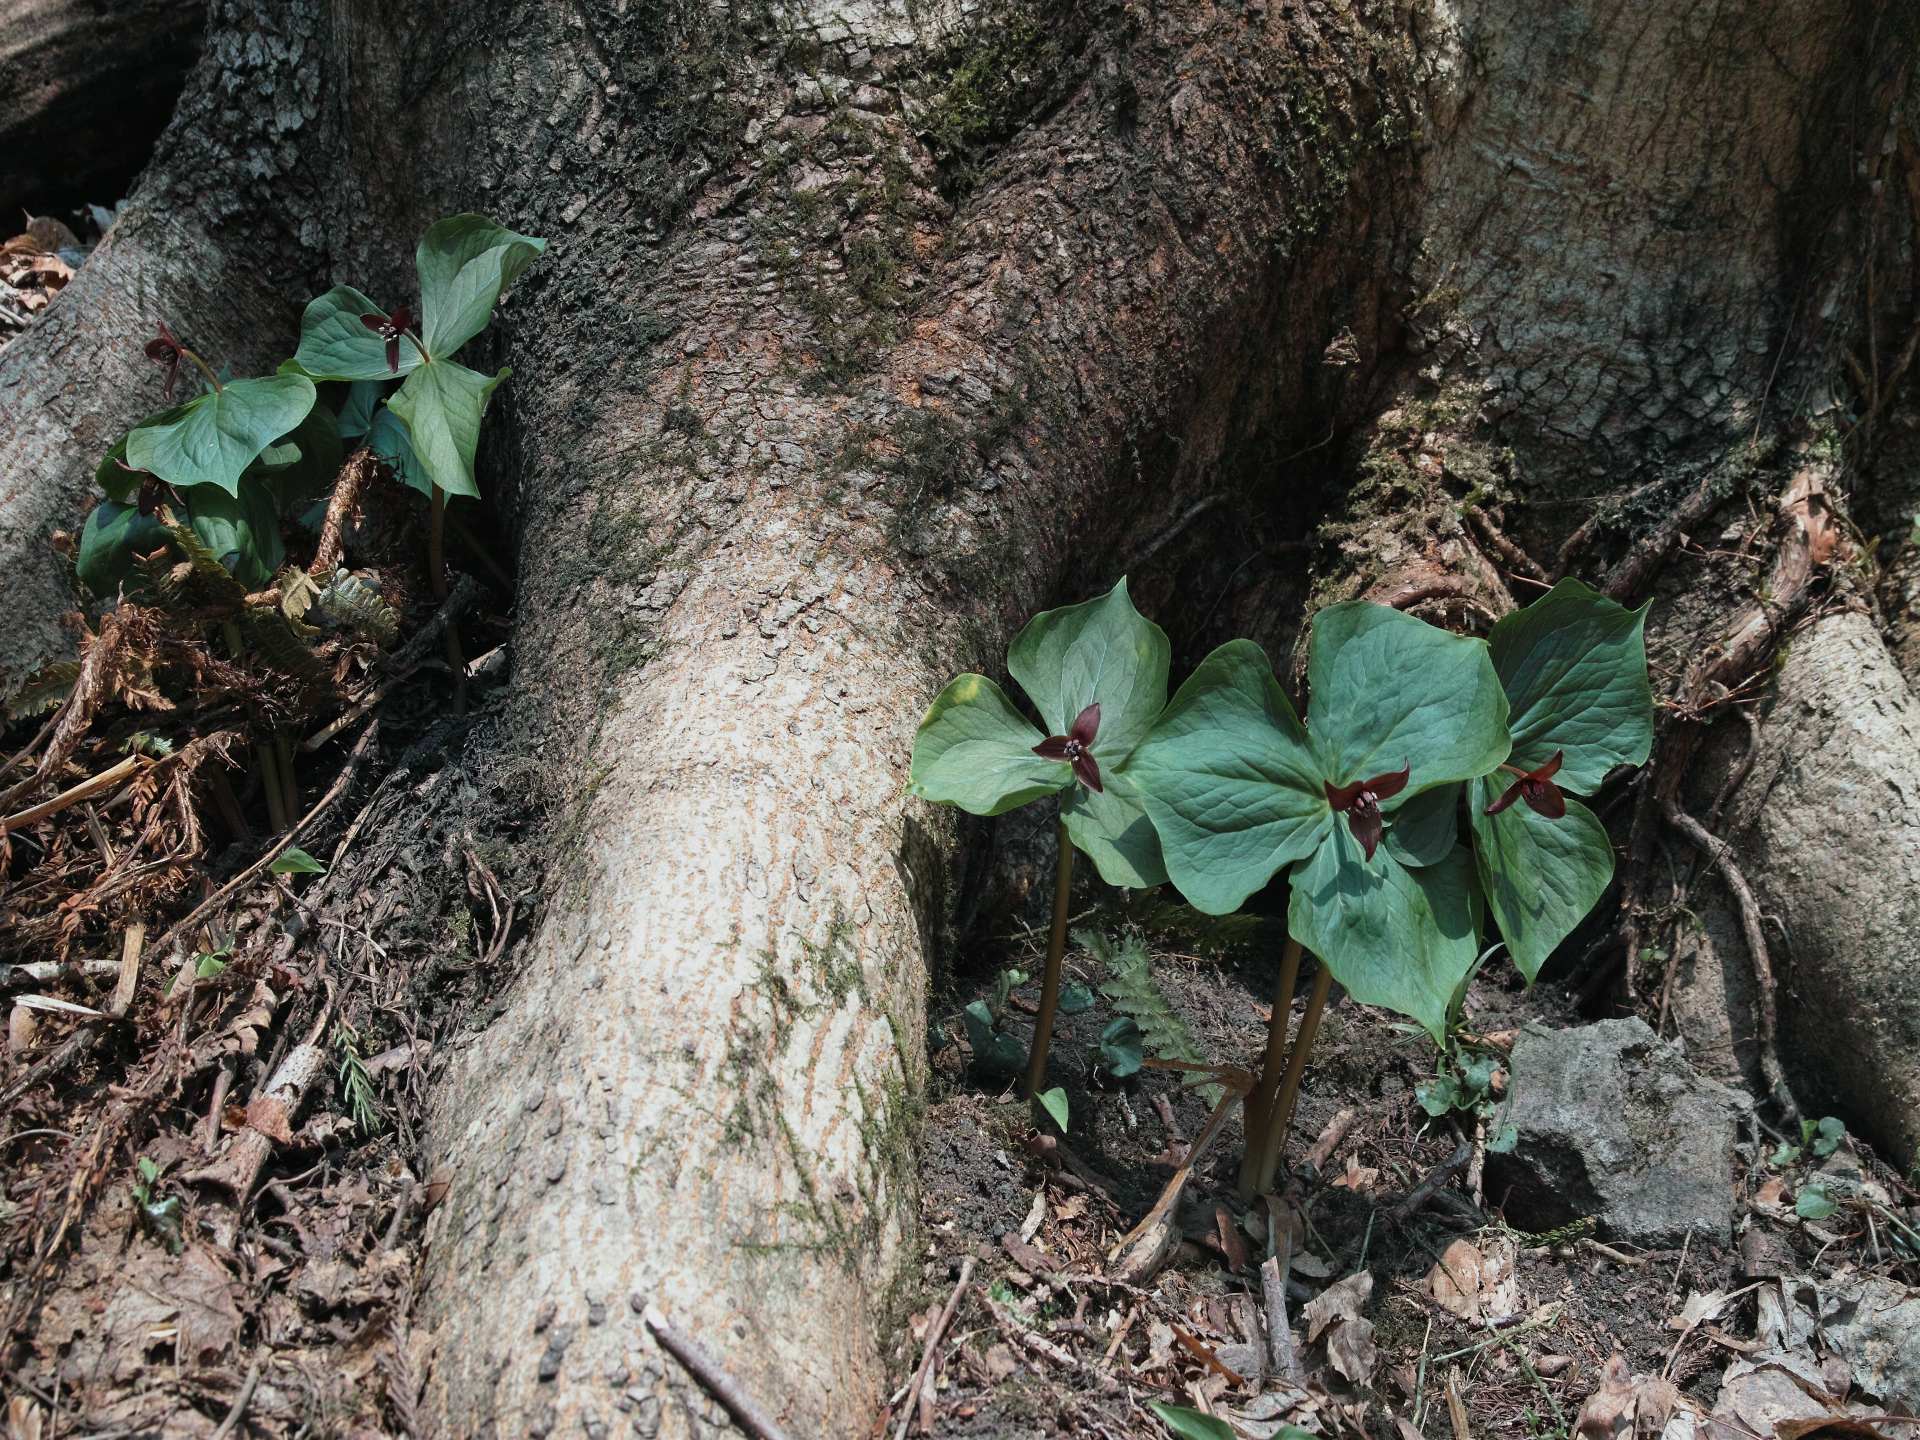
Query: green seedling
point(1097, 674)
point(159, 1213)
point(1123, 1049)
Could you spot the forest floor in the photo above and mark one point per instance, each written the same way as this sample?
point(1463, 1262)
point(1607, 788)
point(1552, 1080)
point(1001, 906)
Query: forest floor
point(1445, 1321)
point(188, 1294)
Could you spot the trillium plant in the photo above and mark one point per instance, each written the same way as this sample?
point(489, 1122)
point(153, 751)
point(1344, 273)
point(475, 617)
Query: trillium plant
point(244, 458)
point(1097, 674)
point(1359, 802)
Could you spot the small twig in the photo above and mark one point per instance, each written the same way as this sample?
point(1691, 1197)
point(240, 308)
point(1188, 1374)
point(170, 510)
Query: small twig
point(42, 972)
point(1439, 1176)
point(1273, 1288)
point(1336, 1130)
point(722, 1386)
point(934, 1332)
point(85, 790)
point(240, 1403)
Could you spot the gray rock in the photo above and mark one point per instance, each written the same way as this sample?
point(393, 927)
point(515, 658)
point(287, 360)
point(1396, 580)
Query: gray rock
point(1614, 1124)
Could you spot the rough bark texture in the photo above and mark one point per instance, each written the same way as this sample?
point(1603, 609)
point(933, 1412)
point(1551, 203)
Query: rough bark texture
point(85, 87)
point(863, 333)
point(871, 429)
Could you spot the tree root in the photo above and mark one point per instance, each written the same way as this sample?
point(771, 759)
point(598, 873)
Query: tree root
point(1752, 928)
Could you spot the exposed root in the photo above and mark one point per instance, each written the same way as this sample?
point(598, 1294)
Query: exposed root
point(1752, 929)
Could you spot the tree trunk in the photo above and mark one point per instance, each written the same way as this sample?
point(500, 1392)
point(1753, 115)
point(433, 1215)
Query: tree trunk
point(84, 89)
point(864, 332)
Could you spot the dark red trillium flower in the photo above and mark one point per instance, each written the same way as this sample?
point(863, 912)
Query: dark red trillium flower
point(1536, 787)
point(153, 489)
point(168, 351)
point(1360, 803)
point(389, 328)
point(1076, 747)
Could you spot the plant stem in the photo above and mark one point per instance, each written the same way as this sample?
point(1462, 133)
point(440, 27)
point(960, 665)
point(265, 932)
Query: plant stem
point(262, 752)
point(1273, 1143)
point(1260, 1102)
point(283, 756)
point(212, 379)
point(1056, 952)
point(437, 578)
point(271, 783)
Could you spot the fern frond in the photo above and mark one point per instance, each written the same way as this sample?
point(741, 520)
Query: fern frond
point(1130, 988)
point(45, 690)
point(353, 604)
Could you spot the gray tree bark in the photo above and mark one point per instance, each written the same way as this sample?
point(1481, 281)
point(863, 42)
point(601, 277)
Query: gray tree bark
point(843, 360)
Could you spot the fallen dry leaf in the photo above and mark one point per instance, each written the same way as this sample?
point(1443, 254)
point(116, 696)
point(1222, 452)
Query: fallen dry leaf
point(1626, 1406)
point(1336, 1314)
point(1357, 1177)
point(1477, 1284)
point(23, 1419)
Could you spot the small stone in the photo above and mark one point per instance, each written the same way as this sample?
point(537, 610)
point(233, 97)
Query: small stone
point(597, 1312)
point(543, 1317)
point(1615, 1125)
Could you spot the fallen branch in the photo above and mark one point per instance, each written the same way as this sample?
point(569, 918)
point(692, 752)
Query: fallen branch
point(921, 1376)
point(722, 1386)
point(93, 785)
point(359, 468)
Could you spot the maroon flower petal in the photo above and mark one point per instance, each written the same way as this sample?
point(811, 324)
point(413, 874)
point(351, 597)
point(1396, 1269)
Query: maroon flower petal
point(1385, 787)
point(1551, 768)
point(393, 354)
point(1507, 797)
point(1341, 797)
point(376, 323)
point(403, 318)
point(1088, 769)
point(1364, 821)
point(1086, 725)
point(1543, 796)
point(1054, 747)
point(160, 350)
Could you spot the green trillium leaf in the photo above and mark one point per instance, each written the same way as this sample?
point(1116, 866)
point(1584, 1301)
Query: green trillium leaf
point(441, 405)
point(1541, 877)
point(1123, 1048)
point(335, 343)
point(314, 464)
point(1574, 665)
point(357, 410)
point(1423, 830)
point(388, 439)
point(1230, 780)
point(295, 861)
point(120, 482)
point(1112, 829)
point(1054, 1102)
point(1100, 651)
point(465, 261)
point(113, 535)
point(975, 750)
point(242, 531)
point(1394, 937)
point(1389, 690)
point(214, 437)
